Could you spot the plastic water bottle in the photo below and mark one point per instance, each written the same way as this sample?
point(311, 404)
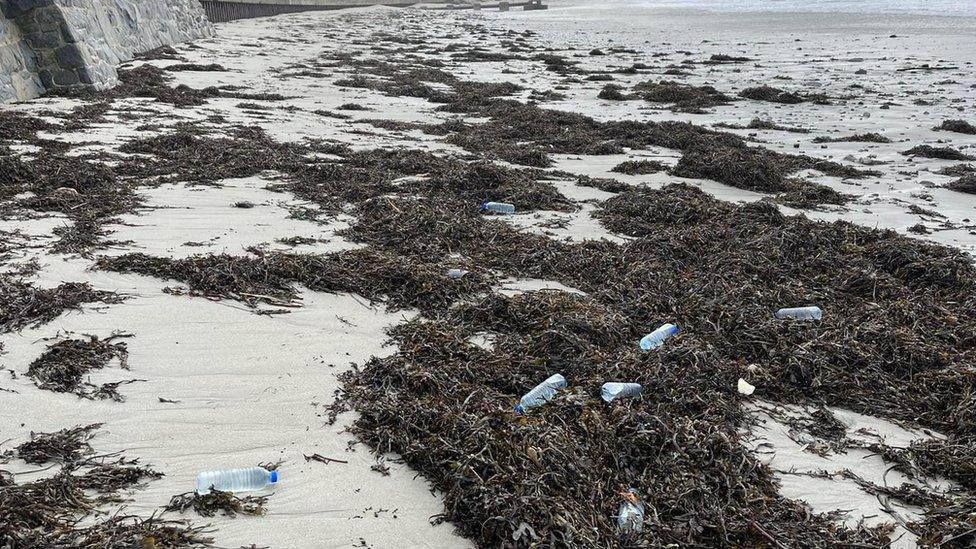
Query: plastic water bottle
point(800, 313)
point(542, 393)
point(613, 390)
point(656, 338)
point(498, 207)
point(630, 515)
point(236, 480)
point(456, 273)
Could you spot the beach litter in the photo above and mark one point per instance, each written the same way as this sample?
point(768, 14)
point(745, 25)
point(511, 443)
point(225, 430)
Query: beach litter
point(657, 338)
point(247, 479)
point(612, 391)
point(498, 208)
point(799, 313)
point(541, 394)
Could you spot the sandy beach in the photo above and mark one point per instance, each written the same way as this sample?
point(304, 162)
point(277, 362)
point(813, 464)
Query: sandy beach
point(264, 221)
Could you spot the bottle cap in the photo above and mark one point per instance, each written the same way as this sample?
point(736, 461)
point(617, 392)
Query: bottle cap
point(274, 477)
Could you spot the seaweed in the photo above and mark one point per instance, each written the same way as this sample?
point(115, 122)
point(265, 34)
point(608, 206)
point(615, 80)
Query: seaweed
point(65, 446)
point(958, 126)
point(62, 367)
point(683, 97)
point(760, 124)
point(856, 138)
point(23, 305)
point(639, 167)
point(209, 504)
point(62, 510)
point(965, 184)
point(942, 153)
point(775, 95)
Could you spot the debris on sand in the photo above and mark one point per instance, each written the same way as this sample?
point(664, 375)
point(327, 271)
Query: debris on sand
point(612, 92)
point(64, 365)
point(721, 58)
point(957, 170)
point(194, 67)
point(760, 124)
point(683, 97)
point(958, 126)
point(62, 510)
point(856, 138)
point(209, 504)
point(64, 446)
point(965, 184)
point(23, 305)
point(754, 168)
point(639, 167)
point(775, 95)
point(942, 153)
point(271, 278)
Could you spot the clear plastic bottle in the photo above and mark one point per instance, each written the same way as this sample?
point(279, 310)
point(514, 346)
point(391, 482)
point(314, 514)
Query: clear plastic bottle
point(630, 514)
point(541, 394)
point(236, 480)
point(498, 208)
point(456, 273)
point(800, 313)
point(656, 338)
point(613, 390)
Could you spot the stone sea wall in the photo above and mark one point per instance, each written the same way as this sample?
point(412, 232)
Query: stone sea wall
point(59, 45)
point(18, 72)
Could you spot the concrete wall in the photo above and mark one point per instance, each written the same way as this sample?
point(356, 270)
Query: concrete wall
point(72, 44)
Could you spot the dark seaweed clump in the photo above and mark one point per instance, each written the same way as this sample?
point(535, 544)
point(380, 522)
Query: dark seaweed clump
point(942, 153)
point(639, 167)
point(717, 268)
point(62, 510)
point(684, 97)
point(965, 184)
point(216, 501)
point(23, 305)
point(856, 138)
point(63, 366)
point(775, 95)
point(760, 124)
point(958, 126)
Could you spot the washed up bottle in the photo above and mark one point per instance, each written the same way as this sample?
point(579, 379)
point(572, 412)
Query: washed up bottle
point(248, 479)
point(613, 390)
point(630, 515)
point(799, 313)
point(656, 338)
point(456, 273)
point(541, 394)
point(503, 208)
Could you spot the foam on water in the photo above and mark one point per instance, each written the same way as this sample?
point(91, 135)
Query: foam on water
point(916, 7)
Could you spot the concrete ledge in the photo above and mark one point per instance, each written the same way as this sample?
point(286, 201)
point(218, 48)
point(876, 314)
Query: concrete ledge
point(221, 10)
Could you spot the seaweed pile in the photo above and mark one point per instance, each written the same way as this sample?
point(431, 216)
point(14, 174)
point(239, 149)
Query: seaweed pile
point(958, 126)
point(639, 167)
point(775, 95)
point(941, 153)
point(760, 124)
point(217, 501)
point(63, 366)
point(682, 97)
point(856, 138)
point(965, 184)
point(23, 305)
point(63, 510)
point(716, 269)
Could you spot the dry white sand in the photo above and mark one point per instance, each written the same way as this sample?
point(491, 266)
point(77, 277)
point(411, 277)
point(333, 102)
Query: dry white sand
point(251, 388)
